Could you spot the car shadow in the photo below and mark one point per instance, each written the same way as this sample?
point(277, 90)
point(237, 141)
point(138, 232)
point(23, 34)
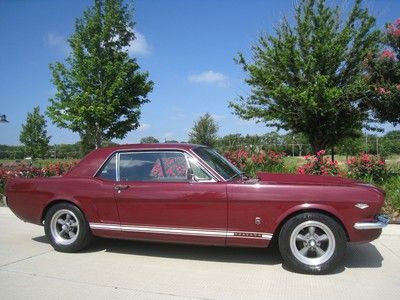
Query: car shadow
point(357, 255)
point(363, 256)
point(269, 256)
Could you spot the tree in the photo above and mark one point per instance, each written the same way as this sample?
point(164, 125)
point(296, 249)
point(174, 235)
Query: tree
point(100, 89)
point(34, 135)
point(384, 74)
point(352, 146)
point(390, 143)
point(309, 77)
point(149, 140)
point(204, 131)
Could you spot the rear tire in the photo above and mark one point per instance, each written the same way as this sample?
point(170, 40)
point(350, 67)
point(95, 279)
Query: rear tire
point(66, 228)
point(312, 243)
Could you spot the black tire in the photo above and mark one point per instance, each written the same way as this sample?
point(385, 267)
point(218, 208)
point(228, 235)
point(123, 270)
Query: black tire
point(312, 243)
point(66, 228)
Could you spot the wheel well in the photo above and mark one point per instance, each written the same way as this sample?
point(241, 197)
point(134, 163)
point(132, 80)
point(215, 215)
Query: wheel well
point(324, 212)
point(51, 204)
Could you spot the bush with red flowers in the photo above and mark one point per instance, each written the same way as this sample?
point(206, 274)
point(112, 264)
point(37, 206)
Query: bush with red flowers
point(367, 167)
point(252, 161)
point(319, 165)
point(15, 170)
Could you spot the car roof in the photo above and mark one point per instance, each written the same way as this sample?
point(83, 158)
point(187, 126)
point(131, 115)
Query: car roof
point(91, 163)
point(184, 146)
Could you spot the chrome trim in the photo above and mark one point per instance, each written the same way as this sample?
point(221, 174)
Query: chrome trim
point(361, 205)
point(381, 222)
point(182, 231)
point(117, 167)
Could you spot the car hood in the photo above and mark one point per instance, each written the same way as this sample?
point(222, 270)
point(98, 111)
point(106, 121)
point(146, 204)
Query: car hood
point(305, 179)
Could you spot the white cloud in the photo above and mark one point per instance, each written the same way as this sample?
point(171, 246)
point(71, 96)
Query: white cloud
point(143, 127)
point(139, 46)
point(58, 41)
point(210, 77)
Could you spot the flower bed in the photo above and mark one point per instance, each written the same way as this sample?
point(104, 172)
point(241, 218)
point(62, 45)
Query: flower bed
point(252, 161)
point(319, 165)
point(15, 170)
point(367, 167)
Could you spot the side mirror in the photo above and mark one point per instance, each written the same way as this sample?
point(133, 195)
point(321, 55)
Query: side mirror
point(191, 176)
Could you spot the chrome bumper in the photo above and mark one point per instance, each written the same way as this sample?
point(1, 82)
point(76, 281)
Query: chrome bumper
point(381, 222)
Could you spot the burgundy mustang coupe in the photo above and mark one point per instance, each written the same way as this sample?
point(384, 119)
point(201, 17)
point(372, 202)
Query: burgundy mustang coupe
point(190, 194)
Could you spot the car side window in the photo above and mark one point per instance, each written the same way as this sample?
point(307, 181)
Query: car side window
point(153, 166)
point(108, 171)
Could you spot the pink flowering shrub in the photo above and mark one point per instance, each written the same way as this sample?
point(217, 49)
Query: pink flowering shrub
point(394, 28)
point(174, 167)
point(387, 54)
point(15, 170)
point(319, 165)
point(240, 158)
point(366, 166)
point(251, 161)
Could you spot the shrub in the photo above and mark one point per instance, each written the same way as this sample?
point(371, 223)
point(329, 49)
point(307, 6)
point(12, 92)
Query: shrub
point(15, 170)
point(367, 167)
point(252, 161)
point(392, 199)
point(319, 165)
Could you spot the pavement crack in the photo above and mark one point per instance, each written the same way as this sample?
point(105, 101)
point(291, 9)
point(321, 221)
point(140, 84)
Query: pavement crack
point(26, 258)
point(104, 285)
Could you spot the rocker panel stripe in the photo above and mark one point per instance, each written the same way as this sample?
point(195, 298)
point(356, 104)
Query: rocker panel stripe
point(182, 231)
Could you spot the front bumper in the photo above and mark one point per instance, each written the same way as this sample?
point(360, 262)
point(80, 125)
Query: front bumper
point(380, 222)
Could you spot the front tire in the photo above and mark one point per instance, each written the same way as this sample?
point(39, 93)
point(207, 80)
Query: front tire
point(312, 243)
point(66, 228)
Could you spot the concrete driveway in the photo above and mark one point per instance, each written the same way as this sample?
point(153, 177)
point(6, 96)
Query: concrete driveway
point(31, 269)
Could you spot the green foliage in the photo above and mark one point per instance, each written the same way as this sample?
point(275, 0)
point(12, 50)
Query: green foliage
point(100, 89)
point(149, 140)
point(34, 135)
point(204, 131)
point(351, 146)
point(309, 77)
point(384, 74)
point(392, 189)
point(390, 143)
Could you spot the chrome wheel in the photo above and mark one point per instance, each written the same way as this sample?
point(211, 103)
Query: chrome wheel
point(64, 227)
point(312, 243)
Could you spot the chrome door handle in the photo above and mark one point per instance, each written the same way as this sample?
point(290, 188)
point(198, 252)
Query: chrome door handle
point(120, 187)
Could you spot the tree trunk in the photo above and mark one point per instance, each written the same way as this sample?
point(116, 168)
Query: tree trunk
point(333, 154)
point(317, 145)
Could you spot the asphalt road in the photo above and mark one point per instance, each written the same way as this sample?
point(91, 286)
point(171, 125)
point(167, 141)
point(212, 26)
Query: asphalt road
point(31, 269)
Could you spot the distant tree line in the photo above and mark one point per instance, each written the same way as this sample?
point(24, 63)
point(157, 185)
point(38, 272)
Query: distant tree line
point(291, 144)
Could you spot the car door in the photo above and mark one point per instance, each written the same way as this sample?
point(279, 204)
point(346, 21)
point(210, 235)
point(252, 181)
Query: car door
point(156, 200)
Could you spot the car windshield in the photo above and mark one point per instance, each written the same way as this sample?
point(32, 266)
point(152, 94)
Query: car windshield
point(219, 163)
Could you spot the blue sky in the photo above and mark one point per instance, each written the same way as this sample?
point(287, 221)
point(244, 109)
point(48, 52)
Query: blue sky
point(187, 47)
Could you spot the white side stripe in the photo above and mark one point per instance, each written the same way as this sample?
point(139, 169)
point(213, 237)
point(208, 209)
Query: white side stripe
point(183, 231)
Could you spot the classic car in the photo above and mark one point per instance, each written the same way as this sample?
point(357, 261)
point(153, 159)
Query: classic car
point(188, 193)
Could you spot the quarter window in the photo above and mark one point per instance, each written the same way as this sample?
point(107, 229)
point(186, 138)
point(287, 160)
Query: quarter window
point(108, 171)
